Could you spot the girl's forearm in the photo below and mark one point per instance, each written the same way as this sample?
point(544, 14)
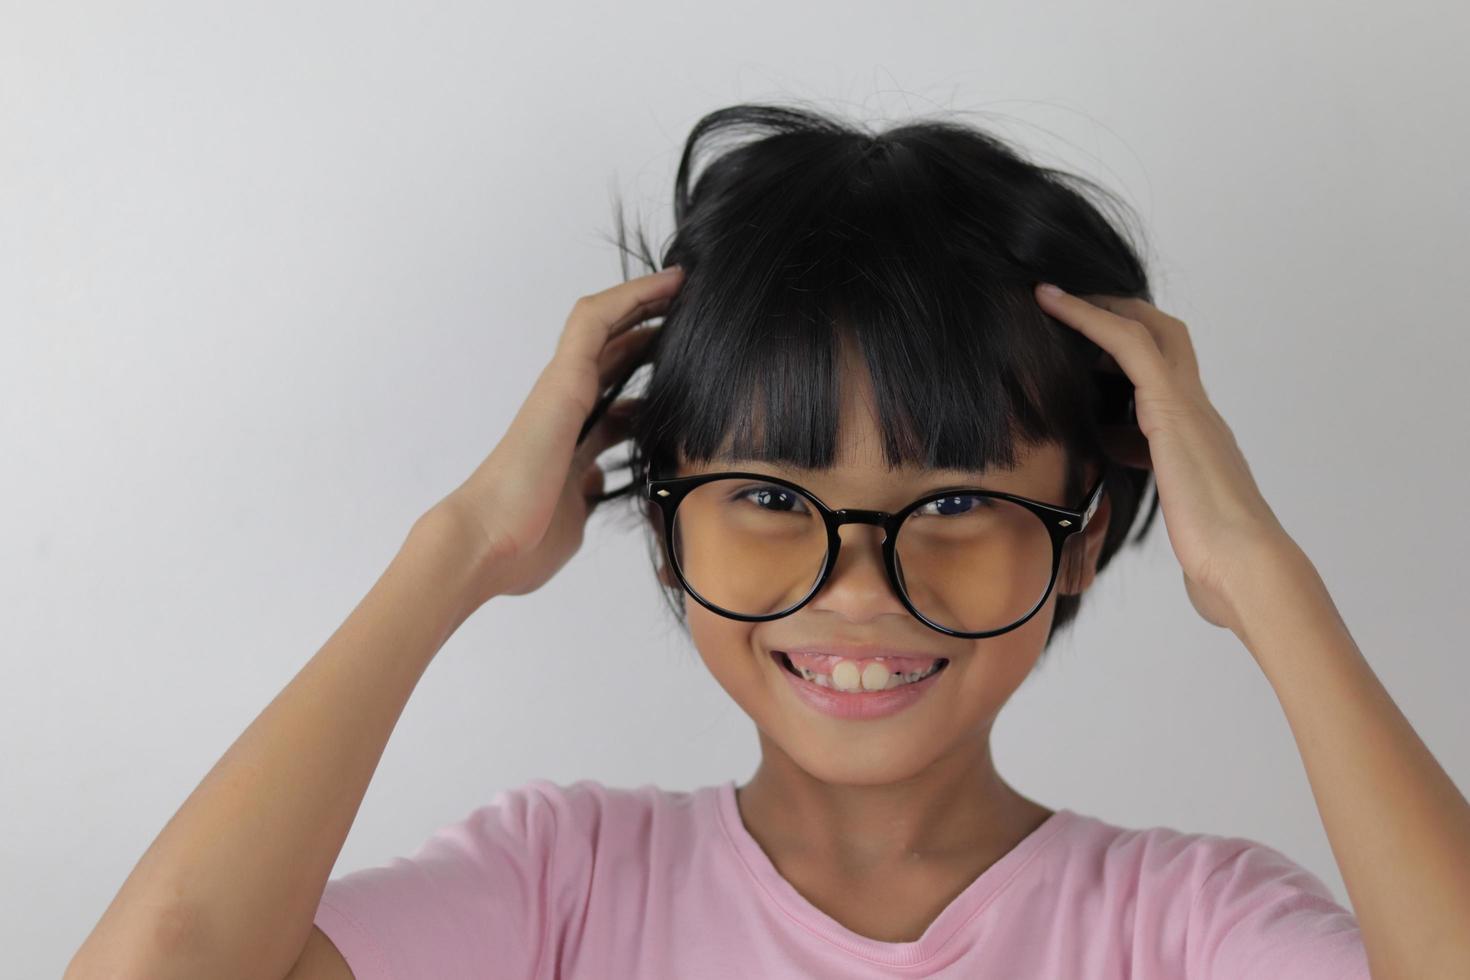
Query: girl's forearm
point(1398, 826)
point(230, 886)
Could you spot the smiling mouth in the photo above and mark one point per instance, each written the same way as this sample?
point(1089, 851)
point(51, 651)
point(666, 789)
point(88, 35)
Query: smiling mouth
point(846, 678)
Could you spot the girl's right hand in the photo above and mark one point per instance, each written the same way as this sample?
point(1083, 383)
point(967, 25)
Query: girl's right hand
point(524, 509)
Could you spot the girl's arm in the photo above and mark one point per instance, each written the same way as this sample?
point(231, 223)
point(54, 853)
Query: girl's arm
point(1398, 826)
point(231, 885)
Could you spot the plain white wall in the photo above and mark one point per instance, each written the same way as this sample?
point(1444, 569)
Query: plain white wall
point(275, 277)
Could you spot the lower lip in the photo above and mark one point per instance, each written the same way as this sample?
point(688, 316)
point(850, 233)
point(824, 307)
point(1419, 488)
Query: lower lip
point(861, 705)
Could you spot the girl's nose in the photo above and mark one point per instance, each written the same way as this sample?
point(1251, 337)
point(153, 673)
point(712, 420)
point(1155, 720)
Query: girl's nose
point(858, 587)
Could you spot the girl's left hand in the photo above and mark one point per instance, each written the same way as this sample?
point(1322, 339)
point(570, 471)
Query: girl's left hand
point(1218, 522)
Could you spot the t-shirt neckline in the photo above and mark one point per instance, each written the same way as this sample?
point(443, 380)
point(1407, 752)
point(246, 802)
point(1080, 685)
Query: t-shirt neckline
point(948, 924)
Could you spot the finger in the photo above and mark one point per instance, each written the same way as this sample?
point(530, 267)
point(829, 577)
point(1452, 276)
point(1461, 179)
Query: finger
point(1170, 333)
point(624, 352)
point(1131, 343)
point(597, 318)
point(544, 432)
point(614, 427)
point(593, 482)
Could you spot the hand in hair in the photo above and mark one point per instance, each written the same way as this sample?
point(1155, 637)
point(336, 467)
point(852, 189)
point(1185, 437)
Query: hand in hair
point(1217, 520)
point(526, 504)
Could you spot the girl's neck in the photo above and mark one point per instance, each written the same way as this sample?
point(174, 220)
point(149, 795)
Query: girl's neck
point(959, 810)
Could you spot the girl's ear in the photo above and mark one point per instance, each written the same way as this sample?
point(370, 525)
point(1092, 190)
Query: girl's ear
point(1079, 559)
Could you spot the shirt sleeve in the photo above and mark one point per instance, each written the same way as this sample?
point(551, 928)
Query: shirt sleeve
point(475, 900)
point(1258, 915)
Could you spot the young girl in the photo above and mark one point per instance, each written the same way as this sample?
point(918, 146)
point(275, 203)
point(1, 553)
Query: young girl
point(879, 469)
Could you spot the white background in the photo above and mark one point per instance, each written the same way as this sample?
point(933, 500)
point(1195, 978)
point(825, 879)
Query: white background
point(275, 277)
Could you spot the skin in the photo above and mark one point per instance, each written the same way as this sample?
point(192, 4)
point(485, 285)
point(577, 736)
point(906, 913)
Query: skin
point(909, 808)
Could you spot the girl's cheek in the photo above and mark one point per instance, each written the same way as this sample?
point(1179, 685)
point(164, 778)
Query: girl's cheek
point(727, 649)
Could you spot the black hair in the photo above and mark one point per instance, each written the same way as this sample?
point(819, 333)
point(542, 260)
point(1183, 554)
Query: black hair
point(920, 244)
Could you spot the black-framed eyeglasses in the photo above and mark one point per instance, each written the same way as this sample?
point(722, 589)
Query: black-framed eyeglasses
point(980, 569)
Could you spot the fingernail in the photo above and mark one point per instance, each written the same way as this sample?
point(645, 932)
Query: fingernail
point(1047, 289)
point(671, 271)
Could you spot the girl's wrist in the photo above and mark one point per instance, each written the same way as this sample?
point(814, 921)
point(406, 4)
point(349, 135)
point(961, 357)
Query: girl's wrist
point(1285, 586)
point(442, 547)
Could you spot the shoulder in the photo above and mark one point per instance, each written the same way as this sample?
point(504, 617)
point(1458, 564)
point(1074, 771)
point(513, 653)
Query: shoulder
point(1166, 856)
point(585, 799)
point(588, 811)
point(1216, 905)
point(1198, 880)
point(507, 882)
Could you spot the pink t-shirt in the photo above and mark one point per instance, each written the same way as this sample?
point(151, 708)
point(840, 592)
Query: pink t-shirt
point(585, 880)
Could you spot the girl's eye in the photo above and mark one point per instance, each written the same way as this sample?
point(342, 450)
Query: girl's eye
point(964, 503)
point(772, 498)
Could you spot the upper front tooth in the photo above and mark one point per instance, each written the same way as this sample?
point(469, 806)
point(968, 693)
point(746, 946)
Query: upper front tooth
point(875, 677)
point(845, 676)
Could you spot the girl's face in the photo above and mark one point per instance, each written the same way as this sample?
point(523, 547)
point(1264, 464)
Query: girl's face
point(857, 605)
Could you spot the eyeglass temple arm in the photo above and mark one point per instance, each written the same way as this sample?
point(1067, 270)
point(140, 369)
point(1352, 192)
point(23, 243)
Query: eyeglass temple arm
point(1095, 500)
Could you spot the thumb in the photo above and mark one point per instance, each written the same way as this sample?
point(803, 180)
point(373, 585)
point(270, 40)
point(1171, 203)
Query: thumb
point(592, 485)
point(611, 429)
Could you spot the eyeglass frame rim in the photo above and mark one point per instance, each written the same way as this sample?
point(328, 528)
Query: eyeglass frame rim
point(1060, 522)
